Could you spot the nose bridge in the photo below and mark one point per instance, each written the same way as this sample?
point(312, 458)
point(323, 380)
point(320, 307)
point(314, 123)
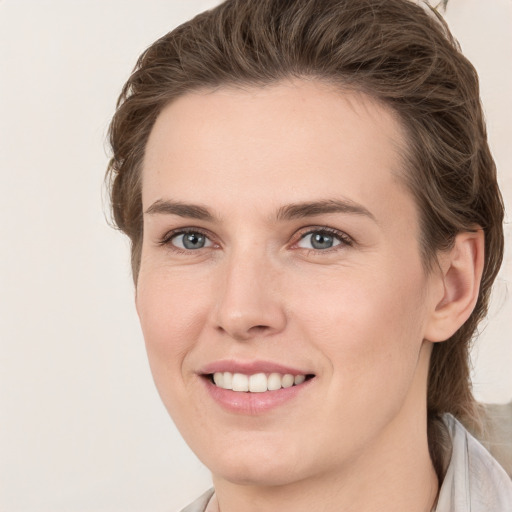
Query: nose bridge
point(249, 303)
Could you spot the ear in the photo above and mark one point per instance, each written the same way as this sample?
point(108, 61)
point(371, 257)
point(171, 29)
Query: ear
point(460, 274)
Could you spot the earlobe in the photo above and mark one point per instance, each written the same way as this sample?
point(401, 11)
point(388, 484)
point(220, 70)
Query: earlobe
point(460, 271)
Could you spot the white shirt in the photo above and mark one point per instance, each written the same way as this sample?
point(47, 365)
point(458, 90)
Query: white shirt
point(474, 481)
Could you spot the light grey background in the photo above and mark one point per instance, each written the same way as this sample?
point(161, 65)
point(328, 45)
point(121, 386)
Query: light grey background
point(81, 425)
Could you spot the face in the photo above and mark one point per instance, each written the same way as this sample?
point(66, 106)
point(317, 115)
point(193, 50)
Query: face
point(281, 254)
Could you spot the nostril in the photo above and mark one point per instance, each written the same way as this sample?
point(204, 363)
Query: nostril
point(259, 328)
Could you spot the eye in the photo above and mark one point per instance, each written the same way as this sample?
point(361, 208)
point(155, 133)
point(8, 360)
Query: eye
point(322, 239)
point(190, 240)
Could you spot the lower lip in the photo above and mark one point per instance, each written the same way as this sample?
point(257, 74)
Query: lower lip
point(253, 403)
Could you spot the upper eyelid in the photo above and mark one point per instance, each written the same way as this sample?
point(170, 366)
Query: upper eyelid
point(326, 229)
point(294, 239)
point(315, 229)
point(169, 235)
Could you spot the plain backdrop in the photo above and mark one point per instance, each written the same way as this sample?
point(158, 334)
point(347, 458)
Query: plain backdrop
point(81, 425)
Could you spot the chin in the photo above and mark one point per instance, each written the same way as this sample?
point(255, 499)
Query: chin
point(256, 474)
point(259, 466)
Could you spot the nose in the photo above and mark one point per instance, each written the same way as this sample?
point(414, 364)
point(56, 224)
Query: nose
point(249, 301)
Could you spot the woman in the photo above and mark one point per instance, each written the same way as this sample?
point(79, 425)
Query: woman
point(315, 226)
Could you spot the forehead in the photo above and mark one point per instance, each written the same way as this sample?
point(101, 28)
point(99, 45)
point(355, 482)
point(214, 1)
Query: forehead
point(296, 139)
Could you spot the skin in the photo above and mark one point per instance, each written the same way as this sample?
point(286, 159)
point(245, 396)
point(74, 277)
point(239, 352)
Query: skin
point(361, 316)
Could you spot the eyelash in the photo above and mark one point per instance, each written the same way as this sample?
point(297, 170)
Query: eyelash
point(166, 240)
point(344, 239)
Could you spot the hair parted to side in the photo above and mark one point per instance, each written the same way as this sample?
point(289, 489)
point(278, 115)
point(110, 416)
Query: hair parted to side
point(393, 50)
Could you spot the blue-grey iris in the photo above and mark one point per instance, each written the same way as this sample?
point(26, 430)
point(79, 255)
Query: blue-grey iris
point(321, 241)
point(193, 240)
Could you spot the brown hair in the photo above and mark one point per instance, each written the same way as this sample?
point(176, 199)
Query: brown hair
point(393, 50)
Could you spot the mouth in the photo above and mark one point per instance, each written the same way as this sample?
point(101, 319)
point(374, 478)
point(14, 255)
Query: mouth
point(256, 382)
point(255, 387)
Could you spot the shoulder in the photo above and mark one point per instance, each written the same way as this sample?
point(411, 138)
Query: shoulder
point(474, 480)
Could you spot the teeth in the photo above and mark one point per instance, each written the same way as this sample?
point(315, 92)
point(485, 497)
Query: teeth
point(218, 378)
point(257, 383)
point(287, 381)
point(274, 381)
point(299, 379)
point(240, 382)
point(228, 380)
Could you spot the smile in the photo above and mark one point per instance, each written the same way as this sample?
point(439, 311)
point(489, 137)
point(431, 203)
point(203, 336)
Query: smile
point(257, 382)
point(254, 387)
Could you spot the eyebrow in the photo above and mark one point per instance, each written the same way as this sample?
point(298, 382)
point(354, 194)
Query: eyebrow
point(310, 209)
point(287, 212)
point(191, 211)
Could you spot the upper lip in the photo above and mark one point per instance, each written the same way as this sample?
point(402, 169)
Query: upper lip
point(250, 367)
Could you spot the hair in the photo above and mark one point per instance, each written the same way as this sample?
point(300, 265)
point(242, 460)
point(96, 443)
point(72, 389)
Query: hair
point(397, 52)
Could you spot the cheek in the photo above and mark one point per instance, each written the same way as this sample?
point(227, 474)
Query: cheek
point(369, 326)
point(172, 312)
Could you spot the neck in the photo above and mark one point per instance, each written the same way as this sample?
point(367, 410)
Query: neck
point(394, 472)
point(385, 486)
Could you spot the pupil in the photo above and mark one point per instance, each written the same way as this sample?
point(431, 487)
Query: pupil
point(320, 241)
point(193, 241)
